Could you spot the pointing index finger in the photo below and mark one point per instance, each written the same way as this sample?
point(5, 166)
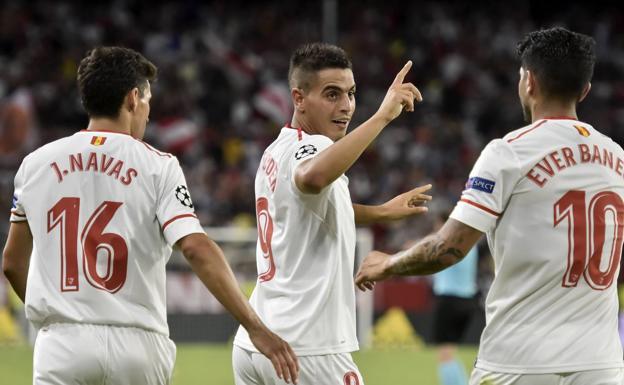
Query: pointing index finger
point(398, 80)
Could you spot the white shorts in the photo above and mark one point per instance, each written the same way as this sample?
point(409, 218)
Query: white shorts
point(251, 368)
point(80, 354)
point(589, 377)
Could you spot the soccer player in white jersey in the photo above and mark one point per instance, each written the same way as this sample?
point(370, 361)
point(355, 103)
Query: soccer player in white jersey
point(549, 196)
point(94, 218)
point(306, 220)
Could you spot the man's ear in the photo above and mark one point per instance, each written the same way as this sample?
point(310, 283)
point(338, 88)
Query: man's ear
point(585, 92)
point(531, 83)
point(298, 98)
point(132, 99)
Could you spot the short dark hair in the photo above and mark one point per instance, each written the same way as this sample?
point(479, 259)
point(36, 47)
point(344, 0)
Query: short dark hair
point(313, 57)
point(107, 74)
point(562, 61)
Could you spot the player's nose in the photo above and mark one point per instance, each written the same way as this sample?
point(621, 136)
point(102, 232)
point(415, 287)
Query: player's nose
point(346, 104)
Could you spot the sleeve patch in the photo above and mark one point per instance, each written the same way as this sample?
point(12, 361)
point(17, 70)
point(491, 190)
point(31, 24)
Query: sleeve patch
point(305, 151)
point(183, 196)
point(480, 184)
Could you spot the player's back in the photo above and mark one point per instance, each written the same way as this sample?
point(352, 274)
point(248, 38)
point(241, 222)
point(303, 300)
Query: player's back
point(557, 244)
point(93, 202)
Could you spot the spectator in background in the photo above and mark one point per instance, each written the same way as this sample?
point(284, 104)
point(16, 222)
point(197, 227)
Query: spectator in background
point(17, 125)
point(455, 289)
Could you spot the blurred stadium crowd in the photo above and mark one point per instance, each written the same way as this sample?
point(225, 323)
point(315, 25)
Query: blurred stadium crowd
point(222, 94)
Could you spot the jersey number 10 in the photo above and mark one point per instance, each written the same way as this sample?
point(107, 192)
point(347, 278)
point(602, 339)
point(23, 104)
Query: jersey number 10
point(65, 215)
point(587, 236)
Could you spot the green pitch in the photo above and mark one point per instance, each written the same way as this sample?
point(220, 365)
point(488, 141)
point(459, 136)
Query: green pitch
point(211, 365)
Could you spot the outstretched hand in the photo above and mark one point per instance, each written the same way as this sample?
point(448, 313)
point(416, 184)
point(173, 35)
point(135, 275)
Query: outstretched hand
point(407, 204)
point(399, 96)
point(374, 268)
point(278, 352)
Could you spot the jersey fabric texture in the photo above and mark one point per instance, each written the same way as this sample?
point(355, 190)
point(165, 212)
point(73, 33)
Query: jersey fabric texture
point(549, 198)
point(305, 253)
point(104, 210)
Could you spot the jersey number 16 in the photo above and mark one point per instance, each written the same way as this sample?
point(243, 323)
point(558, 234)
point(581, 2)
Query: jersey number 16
point(65, 215)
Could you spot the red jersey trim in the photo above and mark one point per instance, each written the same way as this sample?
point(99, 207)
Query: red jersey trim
point(475, 204)
point(527, 131)
point(178, 217)
point(163, 154)
point(18, 214)
point(107, 131)
point(299, 134)
point(152, 149)
point(560, 118)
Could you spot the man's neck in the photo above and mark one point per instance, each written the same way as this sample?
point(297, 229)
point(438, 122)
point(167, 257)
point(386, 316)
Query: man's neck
point(297, 122)
point(553, 110)
point(106, 124)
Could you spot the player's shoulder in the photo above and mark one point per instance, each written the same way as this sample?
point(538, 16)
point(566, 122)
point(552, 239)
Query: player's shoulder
point(549, 129)
point(523, 133)
point(533, 139)
point(153, 155)
point(606, 139)
point(295, 144)
point(46, 151)
point(316, 138)
point(310, 145)
point(291, 139)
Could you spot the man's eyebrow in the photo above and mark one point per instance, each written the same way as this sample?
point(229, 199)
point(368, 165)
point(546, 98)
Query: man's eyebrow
point(336, 88)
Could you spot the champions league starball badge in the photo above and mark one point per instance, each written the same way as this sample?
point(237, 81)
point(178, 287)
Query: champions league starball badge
point(183, 196)
point(305, 150)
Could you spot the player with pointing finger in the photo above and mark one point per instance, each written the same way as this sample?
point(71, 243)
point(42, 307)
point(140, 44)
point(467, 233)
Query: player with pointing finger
point(306, 220)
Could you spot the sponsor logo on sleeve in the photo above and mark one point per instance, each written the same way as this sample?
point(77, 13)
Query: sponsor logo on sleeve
point(183, 196)
point(305, 151)
point(480, 184)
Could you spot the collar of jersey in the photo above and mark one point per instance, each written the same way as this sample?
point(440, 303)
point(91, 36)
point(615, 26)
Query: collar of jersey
point(560, 118)
point(104, 131)
point(299, 130)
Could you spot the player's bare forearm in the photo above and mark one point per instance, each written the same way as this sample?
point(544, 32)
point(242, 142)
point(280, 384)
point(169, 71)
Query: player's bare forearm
point(435, 252)
point(404, 205)
point(16, 257)
point(432, 254)
point(209, 263)
point(17, 278)
point(427, 257)
point(365, 214)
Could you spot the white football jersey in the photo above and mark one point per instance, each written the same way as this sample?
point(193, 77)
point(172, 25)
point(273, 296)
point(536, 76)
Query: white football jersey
point(305, 253)
point(550, 199)
point(104, 210)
